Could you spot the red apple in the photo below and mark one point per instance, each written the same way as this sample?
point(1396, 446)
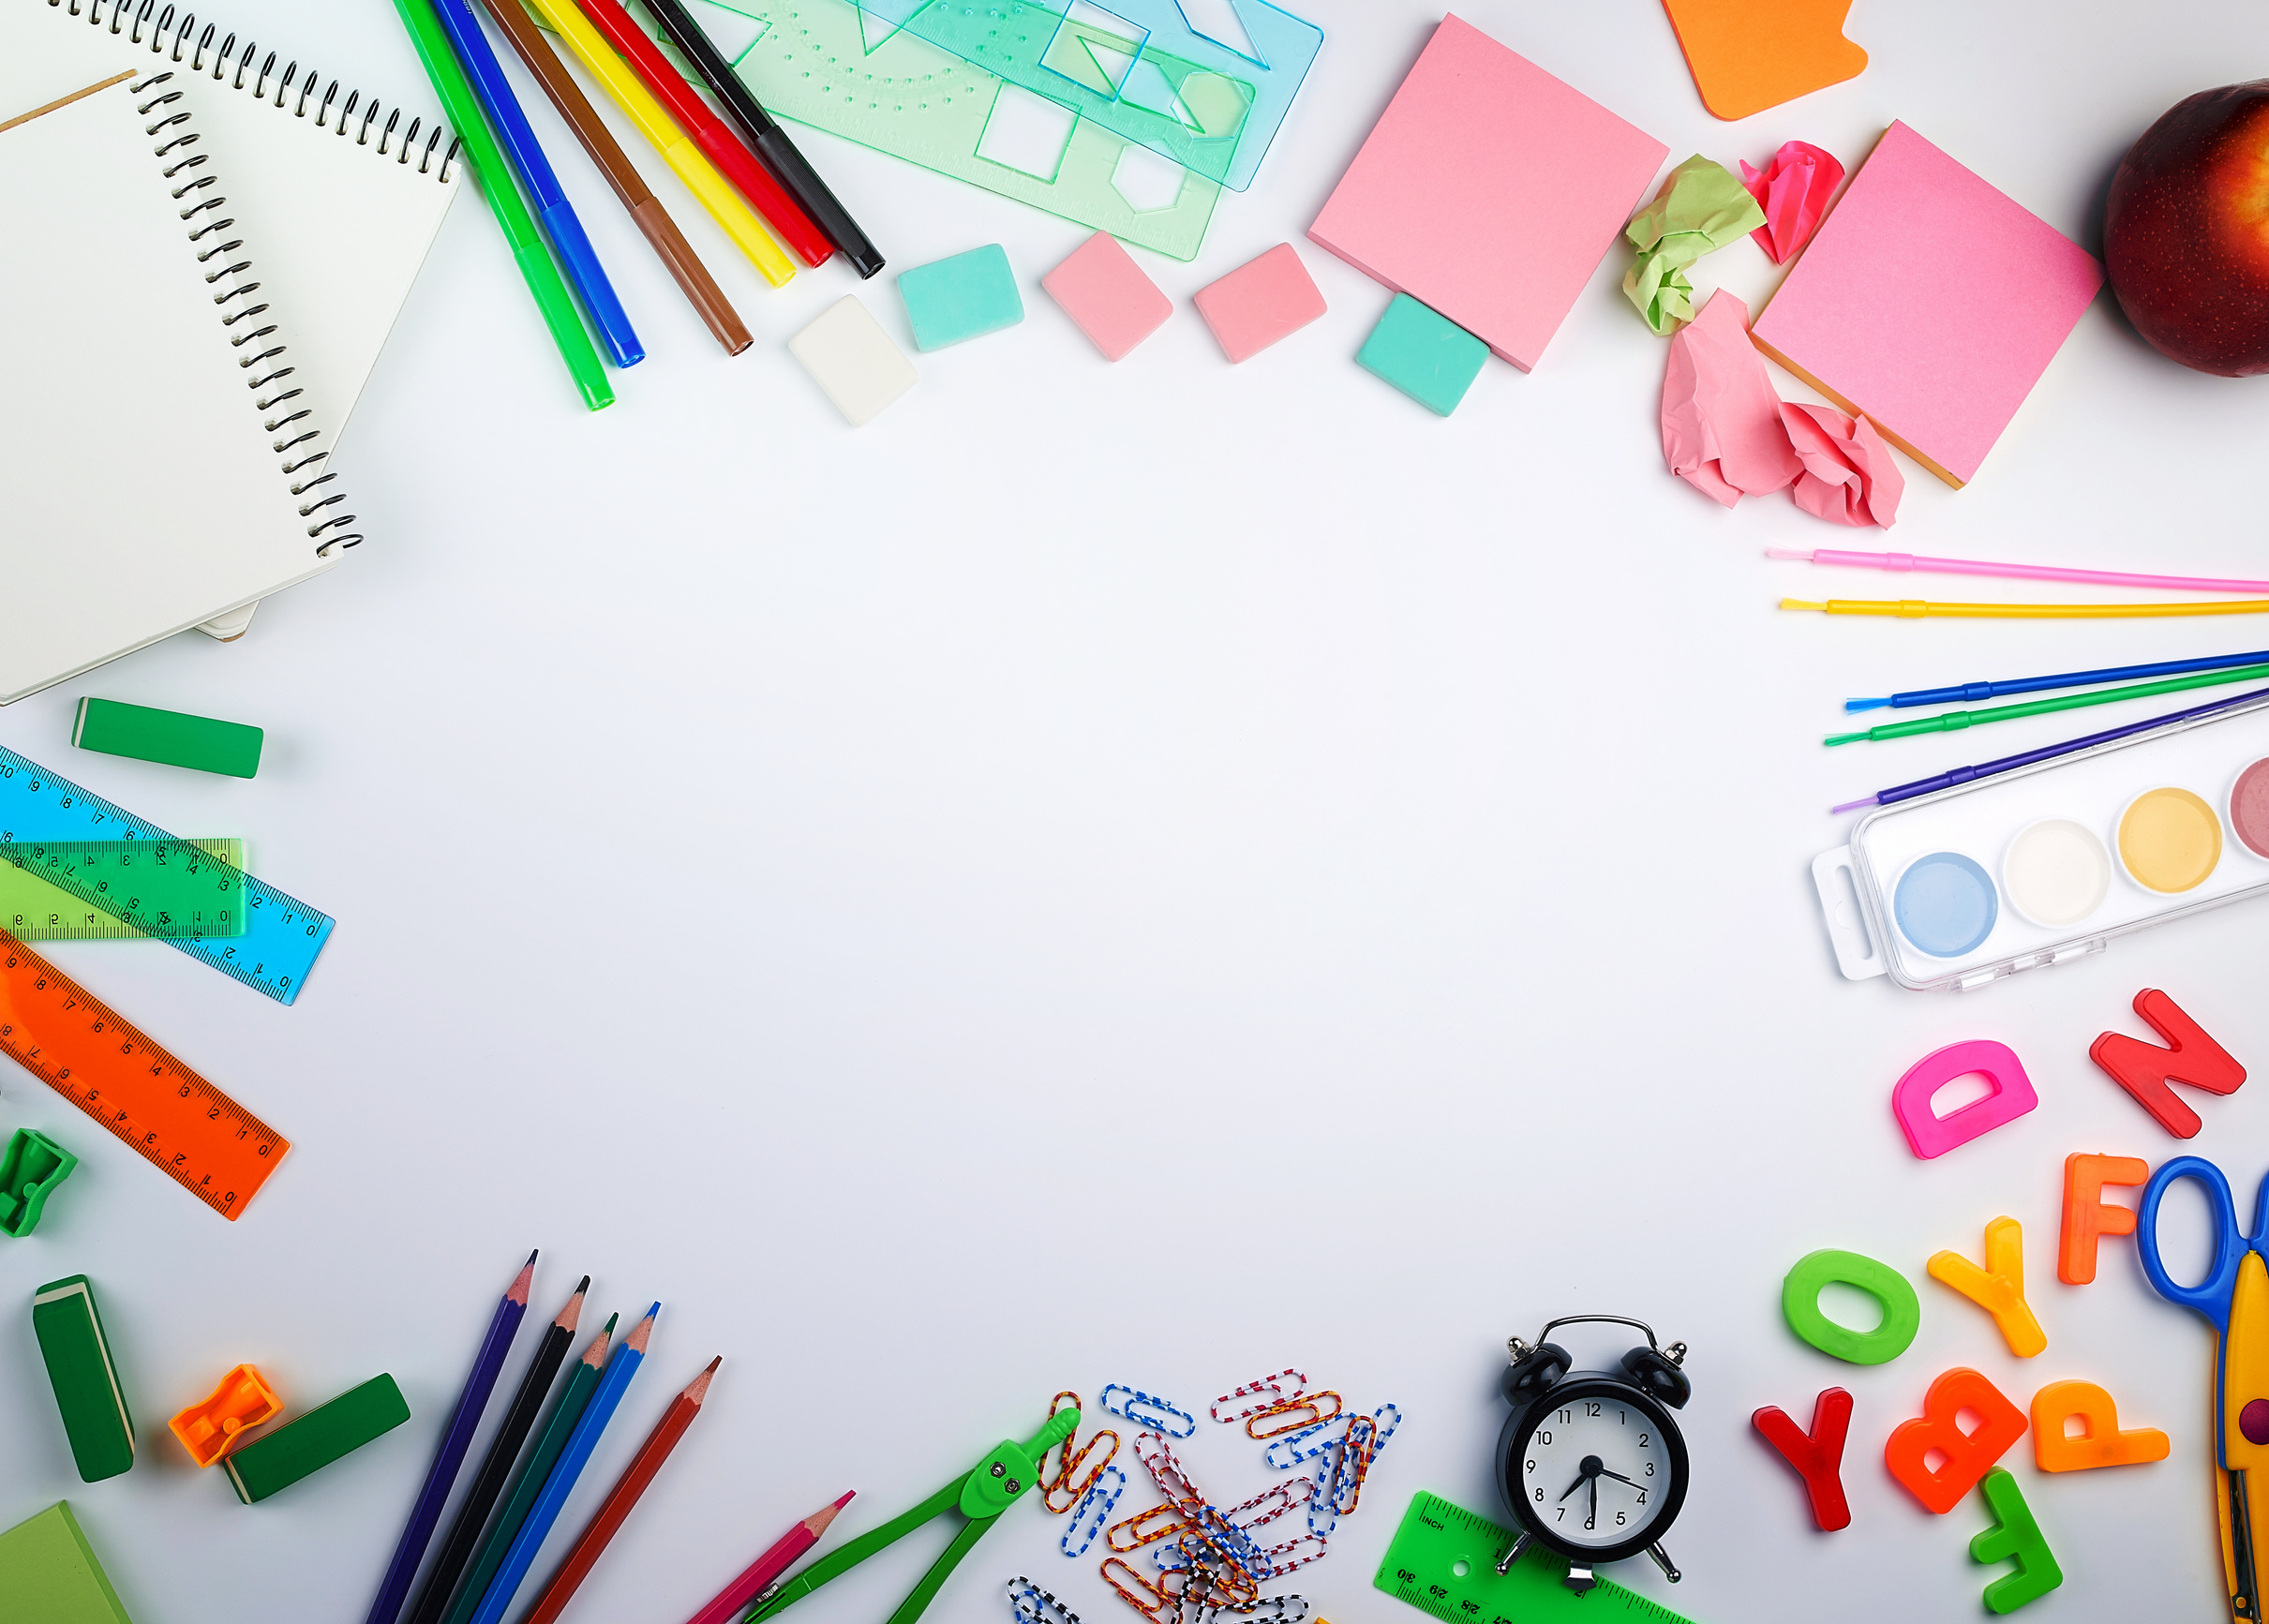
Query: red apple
point(2185, 235)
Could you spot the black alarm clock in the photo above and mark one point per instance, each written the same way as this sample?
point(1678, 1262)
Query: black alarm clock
point(1591, 1463)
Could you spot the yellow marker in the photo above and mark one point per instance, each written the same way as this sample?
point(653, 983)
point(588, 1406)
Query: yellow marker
point(676, 149)
point(1999, 1287)
point(1916, 609)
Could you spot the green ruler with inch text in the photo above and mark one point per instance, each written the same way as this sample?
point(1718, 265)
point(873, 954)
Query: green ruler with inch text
point(1443, 1560)
point(169, 888)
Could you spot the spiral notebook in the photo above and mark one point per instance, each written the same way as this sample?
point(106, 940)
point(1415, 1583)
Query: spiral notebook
point(311, 207)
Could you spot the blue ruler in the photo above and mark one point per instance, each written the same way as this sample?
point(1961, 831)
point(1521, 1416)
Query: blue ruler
point(282, 936)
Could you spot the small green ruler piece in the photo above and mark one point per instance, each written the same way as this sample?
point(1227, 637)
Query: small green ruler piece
point(166, 884)
point(1443, 1560)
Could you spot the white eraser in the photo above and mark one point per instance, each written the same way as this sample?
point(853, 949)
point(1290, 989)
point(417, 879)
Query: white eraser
point(850, 357)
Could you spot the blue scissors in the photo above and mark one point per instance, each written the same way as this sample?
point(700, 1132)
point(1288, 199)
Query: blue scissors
point(2235, 1300)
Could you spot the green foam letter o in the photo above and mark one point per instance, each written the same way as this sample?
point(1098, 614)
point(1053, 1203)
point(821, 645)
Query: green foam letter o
point(1801, 1303)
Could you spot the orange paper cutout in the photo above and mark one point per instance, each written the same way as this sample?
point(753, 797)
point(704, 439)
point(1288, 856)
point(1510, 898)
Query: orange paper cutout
point(2102, 1445)
point(1747, 55)
point(1968, 1456)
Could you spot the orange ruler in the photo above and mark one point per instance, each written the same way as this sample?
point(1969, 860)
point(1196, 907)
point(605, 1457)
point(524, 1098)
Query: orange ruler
point(80, 1047)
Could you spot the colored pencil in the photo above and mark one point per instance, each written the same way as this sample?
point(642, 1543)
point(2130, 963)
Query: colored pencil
point(409, 1550)
point(701, 176)
point(1916, 609)
point(2015, 571)
point(573, 1399)
point(669, 244)
point(1961, 775)
point(790, 224)
point(496, 1466)
point(592, 1543)
point(620, 1366)
point(1955, 720)
point(768, 141)
point(554, 213)
point(782, 1554)
point(1972, 691)
point(463, 111)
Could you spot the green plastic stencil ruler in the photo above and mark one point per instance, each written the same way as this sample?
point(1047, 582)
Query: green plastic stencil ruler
point(1443, 1560)
point(175, 890)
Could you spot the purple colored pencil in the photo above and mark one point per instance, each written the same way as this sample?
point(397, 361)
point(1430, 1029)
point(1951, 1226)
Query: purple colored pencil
point(442, 1475)
point(1922, 786)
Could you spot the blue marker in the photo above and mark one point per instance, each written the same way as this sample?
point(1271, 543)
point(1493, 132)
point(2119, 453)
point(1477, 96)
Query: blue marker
point(1972, 691)
point(554, 213)
point(620, 1366)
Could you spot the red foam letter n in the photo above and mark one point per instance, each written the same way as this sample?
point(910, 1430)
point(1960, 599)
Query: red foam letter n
point(1817, 1457)
point(2190, 1058)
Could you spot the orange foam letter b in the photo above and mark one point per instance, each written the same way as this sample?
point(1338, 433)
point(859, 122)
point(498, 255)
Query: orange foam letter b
point(1968, 1456)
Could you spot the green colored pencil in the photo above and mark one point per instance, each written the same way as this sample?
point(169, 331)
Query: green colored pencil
point(1955, 720)
point(573, 1398)
point(496, 184)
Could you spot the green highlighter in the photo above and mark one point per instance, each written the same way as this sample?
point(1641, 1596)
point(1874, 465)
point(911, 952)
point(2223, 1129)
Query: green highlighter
point(49, 1571)
point(329, 1432)
point(78, 1368)
point(494, 177)
point(171, 737)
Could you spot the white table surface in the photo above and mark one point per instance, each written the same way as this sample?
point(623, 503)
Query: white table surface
point(1145, 872)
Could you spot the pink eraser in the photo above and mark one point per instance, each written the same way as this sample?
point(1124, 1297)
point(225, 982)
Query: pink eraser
point(1928, 303)
point(1260, 302)
point(1107, 296)
point(1488, 191)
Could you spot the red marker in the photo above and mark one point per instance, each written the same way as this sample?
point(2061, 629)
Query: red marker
point(765, 194)
point(733, 1599)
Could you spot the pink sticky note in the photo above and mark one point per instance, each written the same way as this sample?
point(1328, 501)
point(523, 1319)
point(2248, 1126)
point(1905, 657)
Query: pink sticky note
point(1488, 191)
point(1722, 429)
point(1929, 302)
point(1107, 296)
point(1260, 302)
point(1931, 1135)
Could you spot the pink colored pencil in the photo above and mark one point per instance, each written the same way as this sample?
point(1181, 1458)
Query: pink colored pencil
point(1909, 562)
point(734, 1598)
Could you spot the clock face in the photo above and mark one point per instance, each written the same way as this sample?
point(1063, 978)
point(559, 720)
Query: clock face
point(1596, 1468)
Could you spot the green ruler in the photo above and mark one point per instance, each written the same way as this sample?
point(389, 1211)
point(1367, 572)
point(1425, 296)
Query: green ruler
point(1443, 1560)
point(168, 887)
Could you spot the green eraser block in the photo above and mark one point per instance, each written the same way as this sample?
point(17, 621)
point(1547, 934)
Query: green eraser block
point(49, 1574)
point(79, 1368)
point(277, 1459)
point(1428, 357)
point(963, 297)
point(167, 735)
point(30, 1168)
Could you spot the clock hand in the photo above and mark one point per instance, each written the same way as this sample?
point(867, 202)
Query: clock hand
point(1594, 1513)
point(1581, 1480)
point(1620, 1479)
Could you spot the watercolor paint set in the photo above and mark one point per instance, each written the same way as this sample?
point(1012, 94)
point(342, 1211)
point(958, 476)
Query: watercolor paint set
point(2049, 862)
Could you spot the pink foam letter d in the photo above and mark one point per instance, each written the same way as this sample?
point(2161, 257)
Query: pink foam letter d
point(1933, 1136)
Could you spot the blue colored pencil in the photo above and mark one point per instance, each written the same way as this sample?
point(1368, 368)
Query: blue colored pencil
point(620, 1366)
point(411, 1550)
point(1969, 691)
point(554, 213)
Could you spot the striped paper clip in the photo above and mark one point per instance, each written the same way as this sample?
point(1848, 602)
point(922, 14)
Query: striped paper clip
point(1340, 1483)
point(1094, 1510)
point(1387, 1428)
point(1058, 1492)
point(1165, 1468)
point(1143, 1411)
point(1034, 1605)
point(1270, 1504)
point(1262, 1393)
point(1307, 1410)
point(1294, 1446)
point(1147, 1527)
point(1295, 1554)
point(1160, 1602)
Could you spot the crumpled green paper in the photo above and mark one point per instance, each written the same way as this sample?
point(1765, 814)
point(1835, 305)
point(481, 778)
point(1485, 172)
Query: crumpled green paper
point(1701, 208)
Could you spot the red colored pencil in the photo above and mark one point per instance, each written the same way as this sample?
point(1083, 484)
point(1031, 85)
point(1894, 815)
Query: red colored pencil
point(592, 1542)
point(709, 132)
point(784, 1555)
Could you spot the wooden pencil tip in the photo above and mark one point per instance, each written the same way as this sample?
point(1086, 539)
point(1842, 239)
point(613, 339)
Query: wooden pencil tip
point(531, 1256)
point(574, 1311)
point(518, 1291)
point(847, 1496)
point(698, 1388)
point(611, 1321)
point(817, 1523)
point(643, 1331)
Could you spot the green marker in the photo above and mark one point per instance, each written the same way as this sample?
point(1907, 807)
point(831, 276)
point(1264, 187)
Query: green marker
point(329, 1432)
point(78, 1368)
point(171, 737)
point(573, 1398)
point(494, 177)
point(1955, 720)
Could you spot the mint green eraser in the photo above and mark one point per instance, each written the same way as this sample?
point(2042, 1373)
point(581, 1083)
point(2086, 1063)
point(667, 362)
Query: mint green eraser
point(170, 737)
point(965, 296)
point(1428, 357)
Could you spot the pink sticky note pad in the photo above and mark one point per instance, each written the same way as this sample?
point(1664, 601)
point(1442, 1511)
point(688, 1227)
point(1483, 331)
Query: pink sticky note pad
point(1929, 302)
point(1107, 296)
point(1488, 191)
point(1260, 302)
point(1929, 1134)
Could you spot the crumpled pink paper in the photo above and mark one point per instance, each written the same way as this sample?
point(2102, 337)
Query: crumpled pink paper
point(1849, 477)
point(1793, 189)
point(1722, 429)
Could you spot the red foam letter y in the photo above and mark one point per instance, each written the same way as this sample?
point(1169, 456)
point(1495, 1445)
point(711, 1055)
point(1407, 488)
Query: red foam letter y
point(1818, 1456)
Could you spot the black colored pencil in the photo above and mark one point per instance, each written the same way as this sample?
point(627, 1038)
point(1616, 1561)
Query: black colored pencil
point(496, 1466)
